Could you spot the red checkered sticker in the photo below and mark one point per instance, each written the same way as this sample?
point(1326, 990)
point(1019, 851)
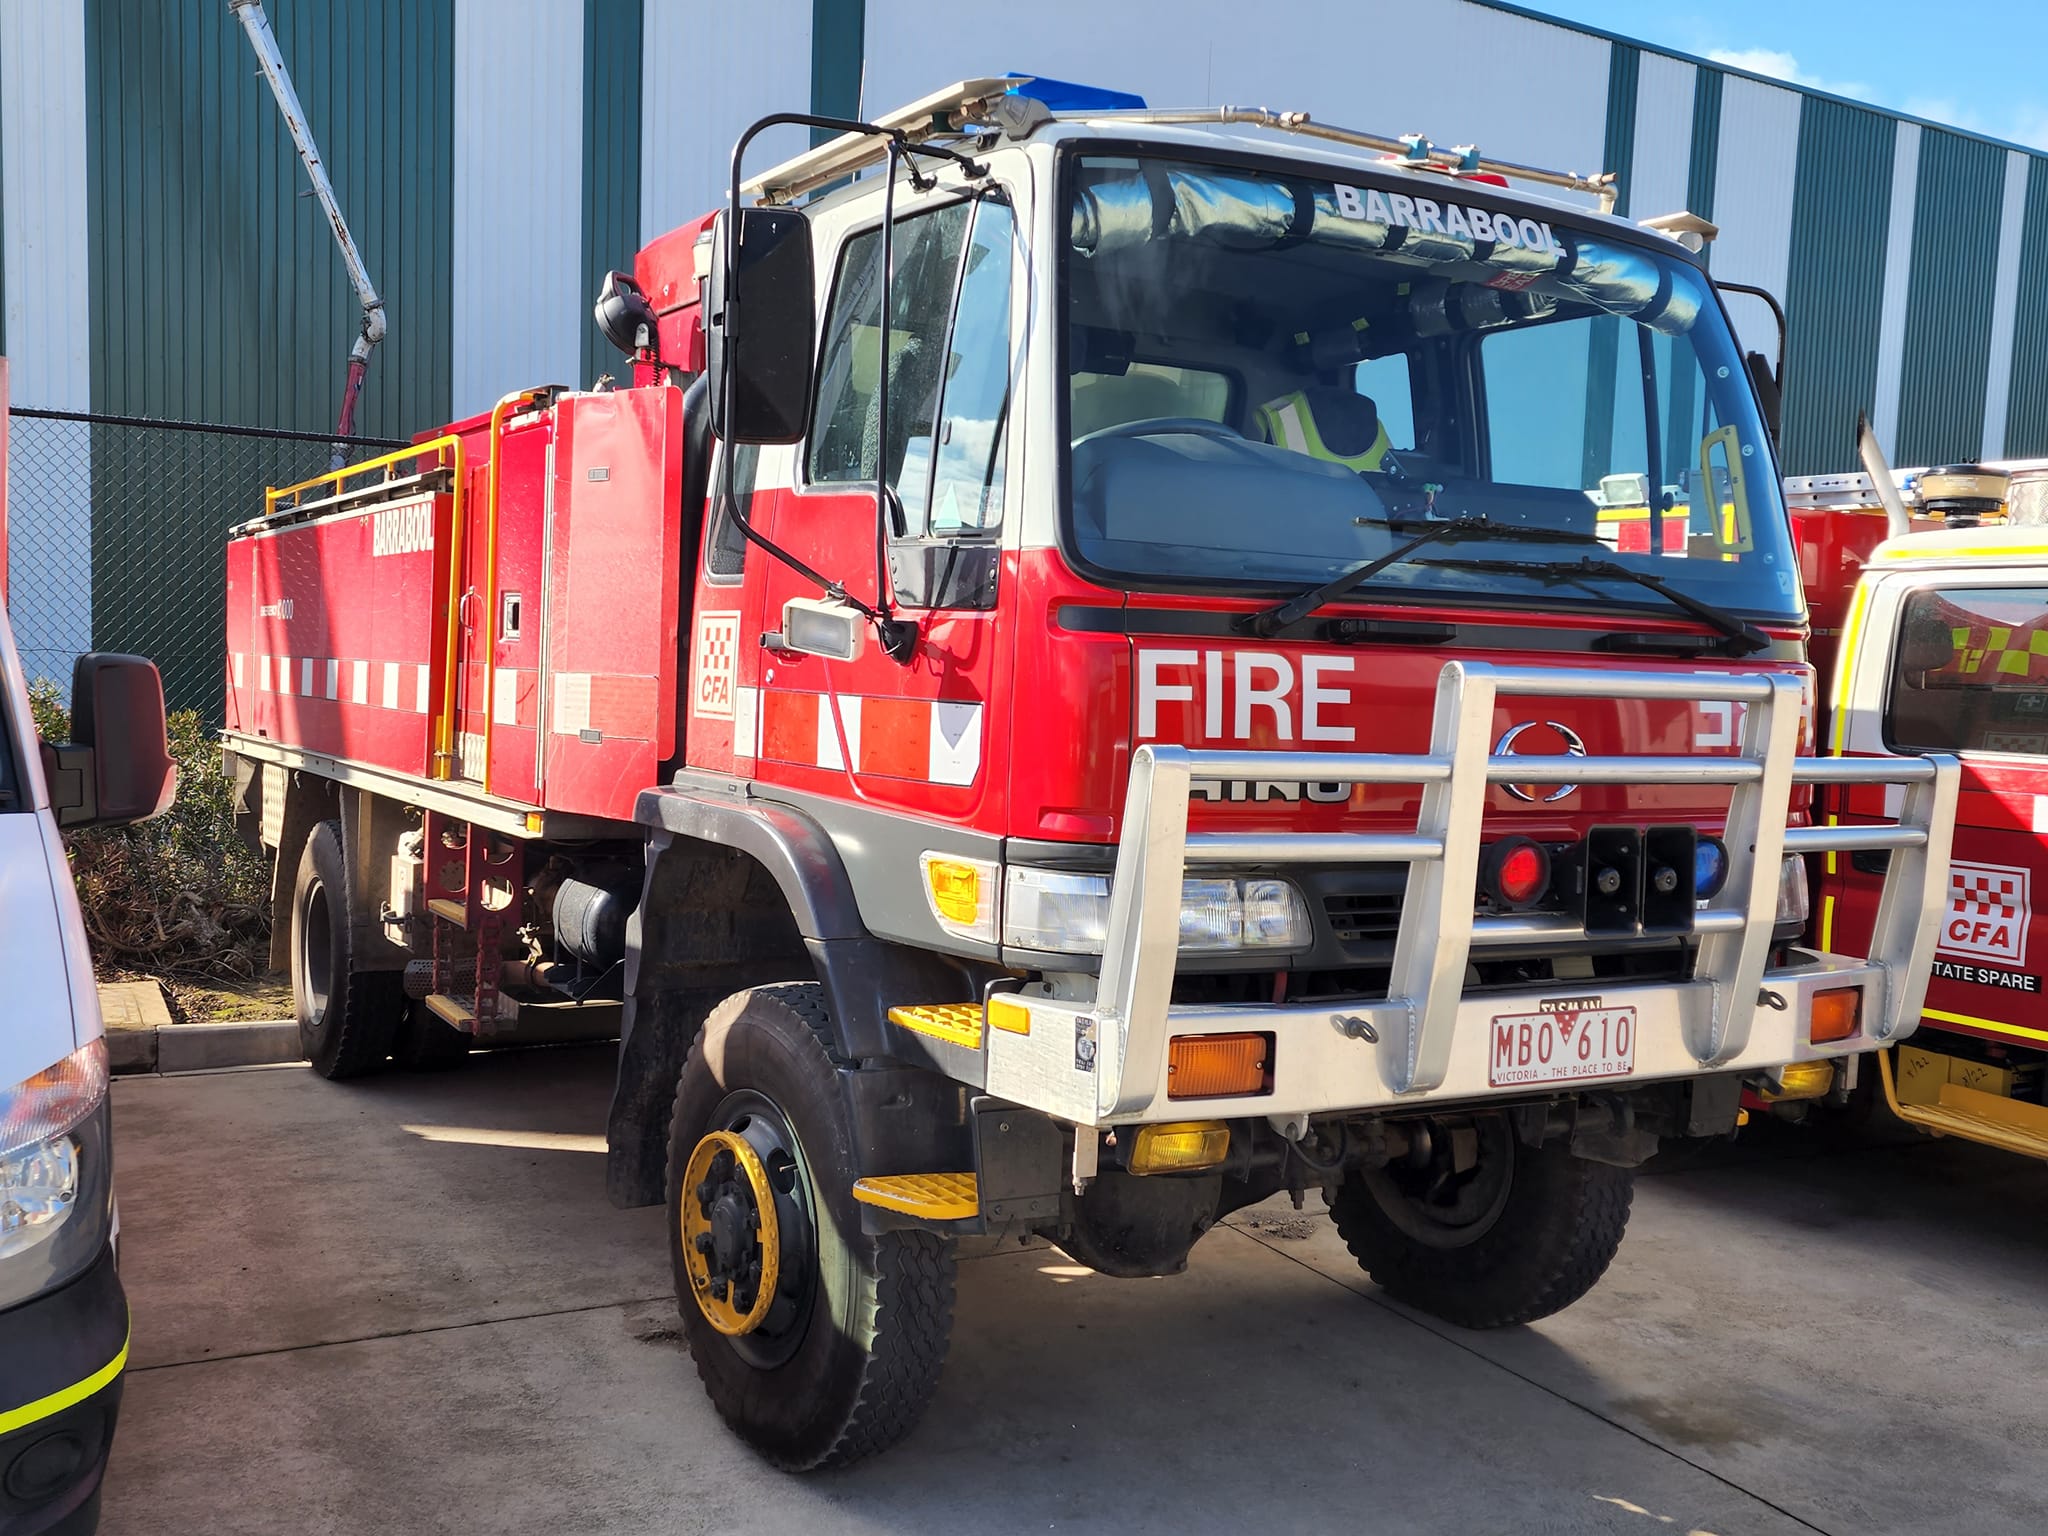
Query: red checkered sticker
point(716, 654)
point(1988, 912)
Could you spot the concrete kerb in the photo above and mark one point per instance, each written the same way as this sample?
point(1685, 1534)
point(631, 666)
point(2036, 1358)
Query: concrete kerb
point(143, 1037)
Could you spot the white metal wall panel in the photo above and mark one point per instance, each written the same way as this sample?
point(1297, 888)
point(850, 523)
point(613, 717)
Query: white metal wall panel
point(710, 70)
point(1461, 73)
point(49, 327)
point(1898, 272)
point(516, 215)
point(1753, 181)
point(2005, 295)
point(1663, 150)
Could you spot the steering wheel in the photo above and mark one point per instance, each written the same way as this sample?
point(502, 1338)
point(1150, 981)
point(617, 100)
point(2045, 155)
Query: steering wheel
point(1194, 426)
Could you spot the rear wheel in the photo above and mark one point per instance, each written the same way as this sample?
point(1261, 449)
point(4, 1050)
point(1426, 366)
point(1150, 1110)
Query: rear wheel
point(346, 1014)
point(817, 1343)
point(1484, 1232)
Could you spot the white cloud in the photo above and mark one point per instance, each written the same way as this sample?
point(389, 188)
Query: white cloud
point(2021, 122)
point(1780, 65)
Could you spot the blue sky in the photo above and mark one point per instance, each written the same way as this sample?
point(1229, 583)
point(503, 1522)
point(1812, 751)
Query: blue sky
point(1975, 64)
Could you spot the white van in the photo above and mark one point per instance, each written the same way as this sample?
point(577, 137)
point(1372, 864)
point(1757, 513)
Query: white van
point(63, 1316)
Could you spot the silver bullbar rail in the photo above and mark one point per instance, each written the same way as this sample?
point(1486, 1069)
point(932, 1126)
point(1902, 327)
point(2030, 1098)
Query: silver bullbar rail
point(1427, 1037)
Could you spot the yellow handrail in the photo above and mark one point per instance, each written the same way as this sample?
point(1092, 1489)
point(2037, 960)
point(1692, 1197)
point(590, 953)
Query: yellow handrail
point(443, 766)
point(499, 412)
point(272, 495)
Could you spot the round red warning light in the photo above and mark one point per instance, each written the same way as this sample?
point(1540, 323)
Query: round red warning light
point(1517, 873)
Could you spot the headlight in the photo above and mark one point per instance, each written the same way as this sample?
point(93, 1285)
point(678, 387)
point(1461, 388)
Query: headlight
point(41, 1157)
point(1053, 910)
point(1793, 901)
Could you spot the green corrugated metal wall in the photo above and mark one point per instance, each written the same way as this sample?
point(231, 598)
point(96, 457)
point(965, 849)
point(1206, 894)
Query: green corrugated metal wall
point(2026, 421)
point(1706, 143)
point(1603, 340)
point(1834, 292)
point(216, 290)
point(611, 158)
point(838, 44)
point(1948, 303)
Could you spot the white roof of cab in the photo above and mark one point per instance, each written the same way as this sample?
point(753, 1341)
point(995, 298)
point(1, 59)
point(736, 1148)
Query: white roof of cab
point(2022, 546)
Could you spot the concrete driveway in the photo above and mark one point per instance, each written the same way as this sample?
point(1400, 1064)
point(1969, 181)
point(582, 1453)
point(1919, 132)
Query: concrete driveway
point(404, 1306)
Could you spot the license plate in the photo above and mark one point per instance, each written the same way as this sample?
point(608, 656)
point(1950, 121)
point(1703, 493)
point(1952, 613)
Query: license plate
point(1565, 1046)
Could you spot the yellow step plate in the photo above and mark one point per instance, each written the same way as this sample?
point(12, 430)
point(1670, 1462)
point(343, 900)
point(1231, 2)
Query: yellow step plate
point(955, 1023)
point(934, 1196)
point(1992, 1119)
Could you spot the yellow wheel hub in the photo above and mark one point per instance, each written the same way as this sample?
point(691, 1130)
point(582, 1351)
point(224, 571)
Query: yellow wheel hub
point(732, 1244)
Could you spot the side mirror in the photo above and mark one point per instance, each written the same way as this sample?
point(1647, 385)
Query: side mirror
point(1769, 393)
point(118, 767)
point(760, 319)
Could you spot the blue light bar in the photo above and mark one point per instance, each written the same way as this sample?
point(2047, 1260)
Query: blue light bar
point(1066, 96)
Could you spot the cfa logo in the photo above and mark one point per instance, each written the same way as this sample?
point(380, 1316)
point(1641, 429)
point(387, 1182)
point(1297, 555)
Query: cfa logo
point(1988, 912)
point(718, 644)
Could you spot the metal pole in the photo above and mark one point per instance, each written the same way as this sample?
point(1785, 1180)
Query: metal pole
point(264, 41)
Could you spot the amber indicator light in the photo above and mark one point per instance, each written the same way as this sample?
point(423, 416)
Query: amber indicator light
point(1219, 1066)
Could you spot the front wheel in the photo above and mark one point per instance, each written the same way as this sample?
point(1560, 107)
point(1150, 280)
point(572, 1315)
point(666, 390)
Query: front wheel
point(1474, 1226)
point(817, 1343)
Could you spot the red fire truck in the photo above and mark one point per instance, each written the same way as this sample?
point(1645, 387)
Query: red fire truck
point(1083, 684)
point(1944, 645)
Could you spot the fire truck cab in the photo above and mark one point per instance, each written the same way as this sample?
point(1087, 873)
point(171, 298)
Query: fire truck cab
point(1944, 647)
point(1108, 664)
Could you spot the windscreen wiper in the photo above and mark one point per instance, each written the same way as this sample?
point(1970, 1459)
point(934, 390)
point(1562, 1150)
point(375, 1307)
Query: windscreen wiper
point(1742, 637)
point(1270, 621)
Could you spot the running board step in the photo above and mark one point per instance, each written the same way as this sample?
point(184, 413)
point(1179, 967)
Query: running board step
point(2011, 1124)
point(452, 1011)
point(933, 1196)
point(449, 910)
point(956, 1023)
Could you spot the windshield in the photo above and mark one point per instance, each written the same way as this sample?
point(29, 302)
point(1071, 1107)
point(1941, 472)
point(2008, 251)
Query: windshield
point(1971, 673)
point(1273, 377)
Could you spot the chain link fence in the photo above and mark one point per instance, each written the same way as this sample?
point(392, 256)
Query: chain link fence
point(117, 531)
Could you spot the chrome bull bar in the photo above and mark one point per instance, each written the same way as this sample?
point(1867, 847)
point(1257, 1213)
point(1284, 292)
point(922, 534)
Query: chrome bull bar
point(1415, 1024)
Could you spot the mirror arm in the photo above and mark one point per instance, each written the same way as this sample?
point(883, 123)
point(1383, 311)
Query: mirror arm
point(898, 636)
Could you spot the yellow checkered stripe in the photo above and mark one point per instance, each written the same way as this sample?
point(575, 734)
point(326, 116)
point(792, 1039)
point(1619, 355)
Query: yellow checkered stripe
point(1997, 652)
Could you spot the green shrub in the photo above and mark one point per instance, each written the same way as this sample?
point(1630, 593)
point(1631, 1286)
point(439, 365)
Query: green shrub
point(182, 895)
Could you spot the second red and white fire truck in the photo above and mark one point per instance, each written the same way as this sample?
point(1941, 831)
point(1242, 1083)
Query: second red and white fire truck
point(1095, 673)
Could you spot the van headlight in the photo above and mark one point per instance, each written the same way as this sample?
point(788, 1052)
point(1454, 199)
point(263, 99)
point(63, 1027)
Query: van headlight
point(48, 1139)
point(1054, 910)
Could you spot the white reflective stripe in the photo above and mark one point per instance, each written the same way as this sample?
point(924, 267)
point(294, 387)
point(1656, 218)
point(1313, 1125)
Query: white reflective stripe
point(956, 742)
point(1288, 418)
point(391, 685)
point(263, 674)
point(2041, 813)
point(419, 695)
point(746, 716)
point(239, 658)
point(359, 689)
point(284, 674)
point(333, 678)
point(306, 677)
point(505, 695)
point(846, 707)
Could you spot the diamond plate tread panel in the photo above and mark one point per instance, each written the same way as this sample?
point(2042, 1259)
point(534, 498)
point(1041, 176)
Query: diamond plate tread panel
point(934, 1196)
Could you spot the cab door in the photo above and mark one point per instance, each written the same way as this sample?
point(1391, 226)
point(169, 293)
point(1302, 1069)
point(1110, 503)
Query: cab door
point(914, 734)
point(1965, 670)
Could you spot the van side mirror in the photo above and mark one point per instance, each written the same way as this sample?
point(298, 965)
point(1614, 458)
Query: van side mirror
point(760, 322)
point(1769, 393)
point(117, 768)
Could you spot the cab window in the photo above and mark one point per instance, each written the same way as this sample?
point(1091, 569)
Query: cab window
point(845, 438)
point(1971, 672)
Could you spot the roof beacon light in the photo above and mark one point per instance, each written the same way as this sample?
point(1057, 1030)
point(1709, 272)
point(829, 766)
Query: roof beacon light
point(1066, 96)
